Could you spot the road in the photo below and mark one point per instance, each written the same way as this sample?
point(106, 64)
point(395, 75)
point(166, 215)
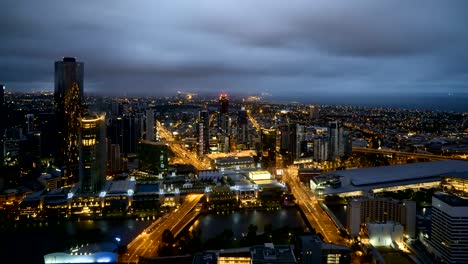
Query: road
point(147, 243)
point(311, 208)
point(253, 121)
point(407, 154)
point(178, 149)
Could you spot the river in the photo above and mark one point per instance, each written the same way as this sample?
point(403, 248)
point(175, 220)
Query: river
point(212, 225)
point(29, 243)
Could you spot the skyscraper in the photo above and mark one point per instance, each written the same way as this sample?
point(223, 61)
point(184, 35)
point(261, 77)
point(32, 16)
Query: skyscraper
point(242, 132)
point(150, 125)
point(92, 150)
point(224, 114)
point(336, 140)
point(223, 104)
point(203, 132)
point(68, 96)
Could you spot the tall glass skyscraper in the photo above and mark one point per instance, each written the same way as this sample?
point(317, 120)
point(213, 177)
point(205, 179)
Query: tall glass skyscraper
point(92, 149)
point(68, 96)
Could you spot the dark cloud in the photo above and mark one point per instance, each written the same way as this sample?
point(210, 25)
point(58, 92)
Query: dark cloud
point(241, 46)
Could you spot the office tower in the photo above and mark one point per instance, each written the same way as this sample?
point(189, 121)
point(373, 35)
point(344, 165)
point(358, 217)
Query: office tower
point(242, 129)
point(449, 222)
point(224, 123)
point(203, 132)
point(268, 147)
point(311, 249)
point(48, 129)
point(223, 104)
point(123, 130)
point(30, 154)
point(150, 125)
point(321, 149)
point(68, 96)
point(299, 140)
point(288, 142)
point(115, 162)
point(92, 150)
point(335, 134)
point(153, 157)
point(348, 143)
point(30, 123)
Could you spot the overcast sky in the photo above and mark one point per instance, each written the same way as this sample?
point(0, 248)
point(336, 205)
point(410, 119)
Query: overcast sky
point(304, 47)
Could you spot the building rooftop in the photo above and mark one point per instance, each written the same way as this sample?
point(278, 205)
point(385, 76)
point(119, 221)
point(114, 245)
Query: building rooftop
point(269, 253)
point(452, 200)
point(402, 172)
point(396, 175)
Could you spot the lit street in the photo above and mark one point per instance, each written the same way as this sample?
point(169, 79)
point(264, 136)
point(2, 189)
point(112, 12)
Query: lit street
point(147, 243)
point(311, 207)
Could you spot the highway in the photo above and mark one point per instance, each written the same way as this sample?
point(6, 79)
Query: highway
point(311, 208)
point(178, 149)
point(147, 243)
point(407, 154)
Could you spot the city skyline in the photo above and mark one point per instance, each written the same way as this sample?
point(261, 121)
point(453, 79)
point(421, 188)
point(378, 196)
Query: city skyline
point(306, 48)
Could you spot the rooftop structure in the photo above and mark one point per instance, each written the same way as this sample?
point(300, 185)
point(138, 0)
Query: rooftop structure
point(355, 182)
point(269, 253)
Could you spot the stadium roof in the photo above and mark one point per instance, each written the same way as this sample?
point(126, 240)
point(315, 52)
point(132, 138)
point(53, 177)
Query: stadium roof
point(411, 171)
point(395, 175)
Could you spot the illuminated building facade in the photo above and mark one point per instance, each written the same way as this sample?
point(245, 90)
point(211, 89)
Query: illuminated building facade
point(93, 156)
point(367, 209)
point(68, 96)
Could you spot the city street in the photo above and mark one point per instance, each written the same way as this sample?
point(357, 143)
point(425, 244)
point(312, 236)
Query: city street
point(311, 207)
point(147, 243)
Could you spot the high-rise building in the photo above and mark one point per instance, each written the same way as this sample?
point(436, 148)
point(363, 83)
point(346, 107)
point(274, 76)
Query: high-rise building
point(123, 130)
point(203, 132)
point(30, 123)
point(223, 104)
point(92, 149)
point(335, 133)
point(268, 147)
point(224, 122)
point(242, 128)
point(68, 96)
point(30, 154)
point(150, 125)
point(368, 209)
point(321, 148)
point(449, 225)
point(153, 157)
point(289, 141)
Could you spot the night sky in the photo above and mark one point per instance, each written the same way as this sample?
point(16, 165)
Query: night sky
point(304, 47)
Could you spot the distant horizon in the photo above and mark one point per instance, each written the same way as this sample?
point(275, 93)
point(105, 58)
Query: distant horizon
point(445, 102)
